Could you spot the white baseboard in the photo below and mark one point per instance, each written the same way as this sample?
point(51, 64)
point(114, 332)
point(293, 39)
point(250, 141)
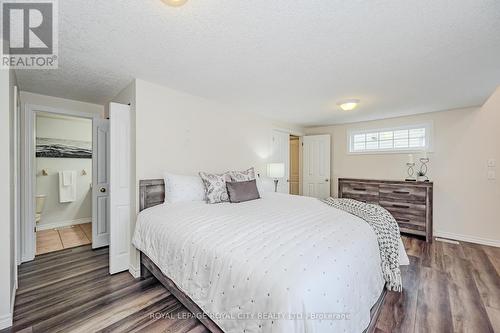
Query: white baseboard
point(27, 258)
point(61, 224)
point(136, 272)
point(13, 298)
point(466, 238)
point(5, 321)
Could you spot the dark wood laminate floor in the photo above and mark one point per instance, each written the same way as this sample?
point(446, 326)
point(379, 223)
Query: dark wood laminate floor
point(447, 288)
point(72, 291)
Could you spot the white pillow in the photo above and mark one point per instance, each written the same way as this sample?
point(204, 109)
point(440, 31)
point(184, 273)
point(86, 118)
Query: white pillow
point(179, 188)
point(265, 184)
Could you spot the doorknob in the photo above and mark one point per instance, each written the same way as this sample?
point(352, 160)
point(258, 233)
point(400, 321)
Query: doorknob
point(327, 180)
point(102, 190)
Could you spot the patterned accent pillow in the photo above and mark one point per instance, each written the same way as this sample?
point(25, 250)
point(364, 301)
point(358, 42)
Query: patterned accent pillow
point(242, 176)
point(215, 186)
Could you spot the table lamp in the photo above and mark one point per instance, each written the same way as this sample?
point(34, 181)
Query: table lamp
point(275, 171)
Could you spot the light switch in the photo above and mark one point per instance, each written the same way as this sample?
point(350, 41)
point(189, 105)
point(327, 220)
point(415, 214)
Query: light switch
point(492, 175)
point(492, 163)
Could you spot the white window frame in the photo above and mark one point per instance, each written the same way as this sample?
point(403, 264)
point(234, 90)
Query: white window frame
point(428, 140)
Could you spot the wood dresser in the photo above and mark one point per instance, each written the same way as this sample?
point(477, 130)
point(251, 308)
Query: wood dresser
point(409, 202)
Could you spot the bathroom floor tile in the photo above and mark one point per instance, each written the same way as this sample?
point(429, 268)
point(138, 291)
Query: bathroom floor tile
point(48, 241)
point(63, 238)
point(87, 230)
point(73, 236)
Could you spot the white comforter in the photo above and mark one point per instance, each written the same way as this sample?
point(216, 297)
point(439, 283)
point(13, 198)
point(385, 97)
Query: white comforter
point(277, 264)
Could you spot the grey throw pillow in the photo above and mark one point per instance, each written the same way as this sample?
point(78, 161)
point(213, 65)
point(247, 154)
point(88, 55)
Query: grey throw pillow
point(242, 191)
point(215, 186)
point(240, 176)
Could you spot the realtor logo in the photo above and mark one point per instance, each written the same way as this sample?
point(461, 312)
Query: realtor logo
point(29, 34)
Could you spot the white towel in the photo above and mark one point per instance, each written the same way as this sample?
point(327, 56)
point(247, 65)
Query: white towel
point(67, 186)
point(67, 178)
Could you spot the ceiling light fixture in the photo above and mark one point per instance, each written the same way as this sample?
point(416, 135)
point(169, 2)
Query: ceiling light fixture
point(174, 3)
point(348, 104)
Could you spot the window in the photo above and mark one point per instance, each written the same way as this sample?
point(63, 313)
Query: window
point(408, 138)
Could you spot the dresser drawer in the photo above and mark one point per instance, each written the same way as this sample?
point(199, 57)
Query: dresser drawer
point(417, 221)
point(370, 199)
point(410, 217)
point(360, 189)
point(405, 208)
point(403, 193)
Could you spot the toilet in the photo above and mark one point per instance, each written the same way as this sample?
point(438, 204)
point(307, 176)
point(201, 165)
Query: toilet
point(40, 205)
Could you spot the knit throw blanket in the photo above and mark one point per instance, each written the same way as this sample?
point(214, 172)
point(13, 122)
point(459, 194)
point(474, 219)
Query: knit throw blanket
point(387, 231)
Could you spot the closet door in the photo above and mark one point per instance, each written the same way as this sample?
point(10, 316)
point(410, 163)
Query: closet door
point(316, 166)
point(100, 184)
point(120, 187)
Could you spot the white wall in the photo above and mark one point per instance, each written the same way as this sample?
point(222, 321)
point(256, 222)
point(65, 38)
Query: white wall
point(8, 265)
point(466, 203)
point(5, 201)
point(56, 213)
point(186, 134)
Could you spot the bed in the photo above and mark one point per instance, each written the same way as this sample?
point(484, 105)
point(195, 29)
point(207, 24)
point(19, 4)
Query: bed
point(278, 264)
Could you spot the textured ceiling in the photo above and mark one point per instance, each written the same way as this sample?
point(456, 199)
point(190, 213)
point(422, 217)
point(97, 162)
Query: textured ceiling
point(288, 60)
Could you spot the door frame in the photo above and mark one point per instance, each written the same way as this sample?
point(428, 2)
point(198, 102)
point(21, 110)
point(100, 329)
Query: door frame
point(299, 135)
point(299, 157)
point(28, 172)
point(289, 131)
point(286, 160)
point(16, 175)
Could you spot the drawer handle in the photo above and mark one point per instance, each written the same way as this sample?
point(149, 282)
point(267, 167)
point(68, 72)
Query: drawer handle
point(401, 192)
point(400, 206)
point(359, 189)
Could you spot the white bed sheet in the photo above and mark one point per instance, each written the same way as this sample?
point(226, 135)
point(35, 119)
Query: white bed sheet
point(265, 265)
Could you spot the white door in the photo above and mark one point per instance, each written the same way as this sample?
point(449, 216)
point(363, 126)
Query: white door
point(316, 166)
point(281, 154)
point(120, 187)
point(100, 184)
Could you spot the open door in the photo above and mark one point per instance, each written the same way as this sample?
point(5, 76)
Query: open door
point(120, 187)
point(100, 184)
point(316, 166)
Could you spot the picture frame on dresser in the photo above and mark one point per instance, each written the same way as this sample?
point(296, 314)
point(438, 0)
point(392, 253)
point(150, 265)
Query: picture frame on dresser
point(411, 203)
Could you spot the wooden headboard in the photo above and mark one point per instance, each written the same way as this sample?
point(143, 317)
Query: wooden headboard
point(151, 193)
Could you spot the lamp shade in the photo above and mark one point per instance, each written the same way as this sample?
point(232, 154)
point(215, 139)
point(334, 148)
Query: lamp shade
point(276, 170)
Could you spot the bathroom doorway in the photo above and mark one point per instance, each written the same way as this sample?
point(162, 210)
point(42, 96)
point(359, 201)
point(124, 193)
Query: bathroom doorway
point(294, 177)
point(64, 180)
point(63, 187)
